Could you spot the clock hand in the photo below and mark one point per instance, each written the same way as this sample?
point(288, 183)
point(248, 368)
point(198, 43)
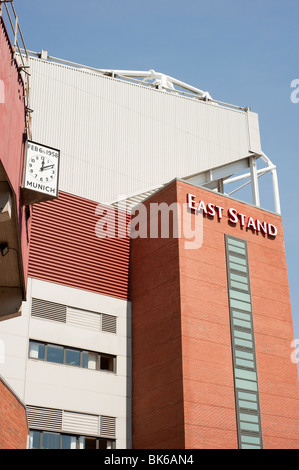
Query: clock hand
point(47, 167)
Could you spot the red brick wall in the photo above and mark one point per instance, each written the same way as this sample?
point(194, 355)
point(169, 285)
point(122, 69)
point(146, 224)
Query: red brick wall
point(12, 128)
point(156, 341)
point(13, 422)
point(181, 312)
point(208, 376)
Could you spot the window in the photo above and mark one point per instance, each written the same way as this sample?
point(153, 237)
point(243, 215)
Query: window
point(36, 350)
point(51, 440)
point(71, 356)
point(54, 440)
point(89, 360)
point(107, 363)
point(89, 442)
point(242, 334)
point(54, 354)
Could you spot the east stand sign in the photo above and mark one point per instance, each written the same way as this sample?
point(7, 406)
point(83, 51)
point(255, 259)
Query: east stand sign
point(234, 217)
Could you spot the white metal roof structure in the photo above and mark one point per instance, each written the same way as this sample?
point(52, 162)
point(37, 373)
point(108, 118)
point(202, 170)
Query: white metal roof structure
point(122, 132)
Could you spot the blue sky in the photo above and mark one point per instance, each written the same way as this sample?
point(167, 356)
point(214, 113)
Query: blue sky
point(244, 53)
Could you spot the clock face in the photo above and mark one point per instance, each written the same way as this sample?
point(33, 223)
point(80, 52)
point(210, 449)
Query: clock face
point(41, 171)
point(41, 168)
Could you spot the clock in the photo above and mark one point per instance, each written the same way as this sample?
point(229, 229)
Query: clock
point(41, 171)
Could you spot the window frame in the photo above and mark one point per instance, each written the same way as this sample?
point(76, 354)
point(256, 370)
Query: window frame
point(242, 340)
point(98, 355)
point(78, 437)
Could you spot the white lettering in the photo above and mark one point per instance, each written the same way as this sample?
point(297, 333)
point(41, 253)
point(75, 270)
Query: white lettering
point(164, 209)
point(105, 227)
point(193, 236)
point(272, 230)
point(201, 207)
point(261, 226)
point(295, 93)
point(114, 460)
point(219, 211)
point(211, 209)
point(191, 202)
point(233, 216)
point(122, 217)
point(250, 223)
point(242, 219)
point(138, 224)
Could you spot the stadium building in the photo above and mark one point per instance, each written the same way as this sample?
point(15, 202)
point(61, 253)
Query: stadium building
point(144, 304)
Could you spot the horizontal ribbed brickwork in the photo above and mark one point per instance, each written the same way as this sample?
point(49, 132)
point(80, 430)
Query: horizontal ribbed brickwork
point(66, 250)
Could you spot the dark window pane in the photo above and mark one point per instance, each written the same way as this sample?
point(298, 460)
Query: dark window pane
point(107, 363)
point(90, 443)
point(72, 357)
point(34, 439)
point(51, 440)
point(68, 442)
point(55, 354)
point(102, 444)
point(85, 359)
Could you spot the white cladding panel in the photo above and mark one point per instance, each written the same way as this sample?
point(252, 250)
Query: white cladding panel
point(41, 384)
point(117, 138)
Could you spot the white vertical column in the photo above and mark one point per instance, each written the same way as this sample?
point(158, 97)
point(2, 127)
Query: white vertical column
point(276, 192)
point(254, 182)
point(274, 184)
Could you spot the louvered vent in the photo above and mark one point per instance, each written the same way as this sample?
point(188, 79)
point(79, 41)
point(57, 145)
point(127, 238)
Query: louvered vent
point(107, 426)
point(73, 316)
point(83, 318)
point(48, 419)
point(108, 323)
point(80, 423)
point(48, 310)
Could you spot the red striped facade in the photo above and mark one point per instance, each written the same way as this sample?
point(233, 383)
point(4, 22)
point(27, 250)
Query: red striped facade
point(65, 248)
